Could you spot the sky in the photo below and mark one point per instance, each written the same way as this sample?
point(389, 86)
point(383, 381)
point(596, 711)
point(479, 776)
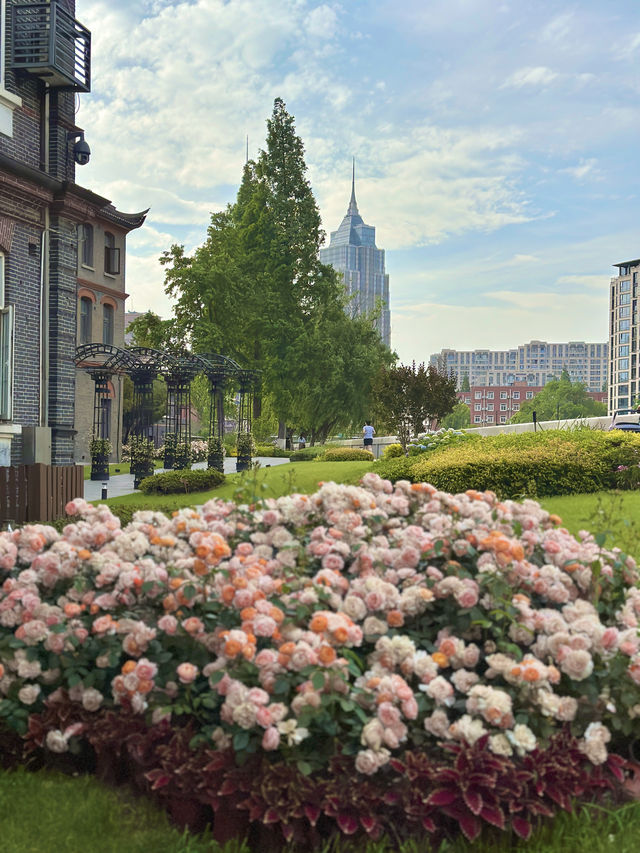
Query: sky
point(496, 144)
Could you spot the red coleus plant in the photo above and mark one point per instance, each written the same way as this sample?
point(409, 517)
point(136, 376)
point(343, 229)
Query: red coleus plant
point(459, 787)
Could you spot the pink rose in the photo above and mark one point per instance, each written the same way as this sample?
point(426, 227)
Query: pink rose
point(271, 739)
point(187, 672)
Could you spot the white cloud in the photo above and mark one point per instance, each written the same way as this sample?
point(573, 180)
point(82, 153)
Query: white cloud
point(322, 22)
point(585, 168)
point(539, 76)
point(594, 282)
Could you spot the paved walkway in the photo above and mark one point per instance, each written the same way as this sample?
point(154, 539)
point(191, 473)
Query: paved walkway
point(122, 484)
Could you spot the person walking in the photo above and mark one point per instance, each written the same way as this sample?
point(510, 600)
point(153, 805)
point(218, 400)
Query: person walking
point(368, 432)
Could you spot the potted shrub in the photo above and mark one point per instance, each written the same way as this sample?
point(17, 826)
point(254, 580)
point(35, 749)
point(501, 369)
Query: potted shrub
point(100, 450)
point(215, 453)
point(245, 448)
point(142, 453)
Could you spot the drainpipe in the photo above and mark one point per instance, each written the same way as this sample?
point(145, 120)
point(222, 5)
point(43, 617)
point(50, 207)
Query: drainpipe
point(44, 283)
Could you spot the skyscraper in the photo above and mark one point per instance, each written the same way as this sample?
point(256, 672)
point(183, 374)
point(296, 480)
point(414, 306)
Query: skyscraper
point(352, 251)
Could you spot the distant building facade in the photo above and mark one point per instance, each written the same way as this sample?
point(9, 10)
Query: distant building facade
point(624, 337)
point(492, 405)
point(352, 252)
point(533, 364)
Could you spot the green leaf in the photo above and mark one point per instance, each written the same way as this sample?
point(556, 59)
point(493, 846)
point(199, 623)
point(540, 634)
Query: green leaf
point(317, 680)
point(240, 741)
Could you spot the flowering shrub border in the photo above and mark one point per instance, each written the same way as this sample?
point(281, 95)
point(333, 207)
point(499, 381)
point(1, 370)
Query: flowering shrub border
point(369, 628)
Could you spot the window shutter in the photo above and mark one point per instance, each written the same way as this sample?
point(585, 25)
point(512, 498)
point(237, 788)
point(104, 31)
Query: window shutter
point(112, 260)
point(6, 363)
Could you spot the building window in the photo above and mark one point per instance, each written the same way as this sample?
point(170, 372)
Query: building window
point(626, 284)
point(478, 407)
point(478, 395)
point(107, 324)
point(516, 407)
point(529, 395)
point(503, 419)
point(516, 395)
point(111, 255)
point(86, 309)
point(477, 419)
point(503, 407)
point(503, 395)
point(86, 245)
point(490, 395)
point(489, 419)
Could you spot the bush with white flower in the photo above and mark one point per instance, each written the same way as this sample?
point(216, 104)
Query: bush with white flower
point(383, 634)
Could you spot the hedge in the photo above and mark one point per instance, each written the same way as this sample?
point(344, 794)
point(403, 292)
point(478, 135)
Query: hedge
point(346, 454)
point(184, 481)
point(271, 450)
point(554, 462)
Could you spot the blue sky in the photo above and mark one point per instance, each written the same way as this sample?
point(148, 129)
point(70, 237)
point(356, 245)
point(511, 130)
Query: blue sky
point(496, 144)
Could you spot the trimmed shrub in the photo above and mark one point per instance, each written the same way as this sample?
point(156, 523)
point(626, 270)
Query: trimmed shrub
point(554, 462)
point(308, 454)
point(392, 451)
point(184, 481)
point(346, 454)
point(271, 450)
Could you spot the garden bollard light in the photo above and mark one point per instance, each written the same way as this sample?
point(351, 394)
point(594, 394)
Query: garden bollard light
point(104, 492)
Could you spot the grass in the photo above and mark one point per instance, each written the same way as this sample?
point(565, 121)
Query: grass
point(47, 812)
point(615, 514)
point(302, 477)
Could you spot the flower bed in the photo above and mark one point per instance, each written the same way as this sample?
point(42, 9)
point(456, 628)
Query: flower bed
point(365, 659)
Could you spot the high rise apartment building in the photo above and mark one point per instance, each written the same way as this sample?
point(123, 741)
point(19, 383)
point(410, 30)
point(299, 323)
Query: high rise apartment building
point(352, 251)
point(624, 336)
point(533, 364)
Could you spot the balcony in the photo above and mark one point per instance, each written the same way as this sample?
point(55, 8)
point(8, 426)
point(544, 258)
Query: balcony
point(49, 43)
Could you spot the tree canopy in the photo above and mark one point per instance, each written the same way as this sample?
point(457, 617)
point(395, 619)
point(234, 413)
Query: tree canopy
point(560, 398)
point(257, 292)
point(458, 418)
point(408, 398)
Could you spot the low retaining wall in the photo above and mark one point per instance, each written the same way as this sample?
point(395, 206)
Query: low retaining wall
point(380, 442)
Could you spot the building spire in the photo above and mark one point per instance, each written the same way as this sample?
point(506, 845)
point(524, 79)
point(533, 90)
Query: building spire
point(353, 204)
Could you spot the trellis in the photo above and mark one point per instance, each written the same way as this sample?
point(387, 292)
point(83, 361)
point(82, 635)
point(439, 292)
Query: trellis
point(178, 369)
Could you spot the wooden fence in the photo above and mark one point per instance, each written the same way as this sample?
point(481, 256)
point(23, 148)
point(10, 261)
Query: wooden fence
point(39, 492)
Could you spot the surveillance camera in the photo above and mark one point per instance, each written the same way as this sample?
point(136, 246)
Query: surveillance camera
point(81, 152)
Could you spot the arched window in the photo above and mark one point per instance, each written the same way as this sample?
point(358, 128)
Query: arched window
point(86, 308)
point(111, 254)
point(107, 324)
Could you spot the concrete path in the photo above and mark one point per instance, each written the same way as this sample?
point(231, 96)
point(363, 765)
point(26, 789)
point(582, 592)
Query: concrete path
point(122, 484)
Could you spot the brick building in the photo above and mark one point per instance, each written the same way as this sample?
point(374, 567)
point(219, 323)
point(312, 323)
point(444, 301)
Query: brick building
point(44, 217)
point(492, 405)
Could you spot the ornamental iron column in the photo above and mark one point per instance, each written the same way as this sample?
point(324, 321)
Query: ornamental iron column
point(142, 445)
point(100, 446)
point(177, 444)
point(247, 380)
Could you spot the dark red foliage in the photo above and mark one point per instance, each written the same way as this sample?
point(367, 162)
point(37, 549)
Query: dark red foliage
point(456, 788)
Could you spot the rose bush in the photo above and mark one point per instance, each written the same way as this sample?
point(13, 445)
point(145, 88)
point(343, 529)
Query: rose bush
point(365, 624)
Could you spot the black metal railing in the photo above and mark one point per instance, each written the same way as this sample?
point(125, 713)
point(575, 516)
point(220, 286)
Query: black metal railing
point(49, 43)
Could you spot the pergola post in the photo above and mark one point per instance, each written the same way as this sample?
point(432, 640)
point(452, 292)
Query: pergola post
point(100, 446)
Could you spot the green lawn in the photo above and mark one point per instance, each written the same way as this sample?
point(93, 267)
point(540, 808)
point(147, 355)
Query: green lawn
point(48, 812)
point(616, 514)
point(302, 477)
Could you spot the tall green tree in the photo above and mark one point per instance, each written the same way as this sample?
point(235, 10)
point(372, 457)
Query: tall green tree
point(560, 398)
point(256, 291)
